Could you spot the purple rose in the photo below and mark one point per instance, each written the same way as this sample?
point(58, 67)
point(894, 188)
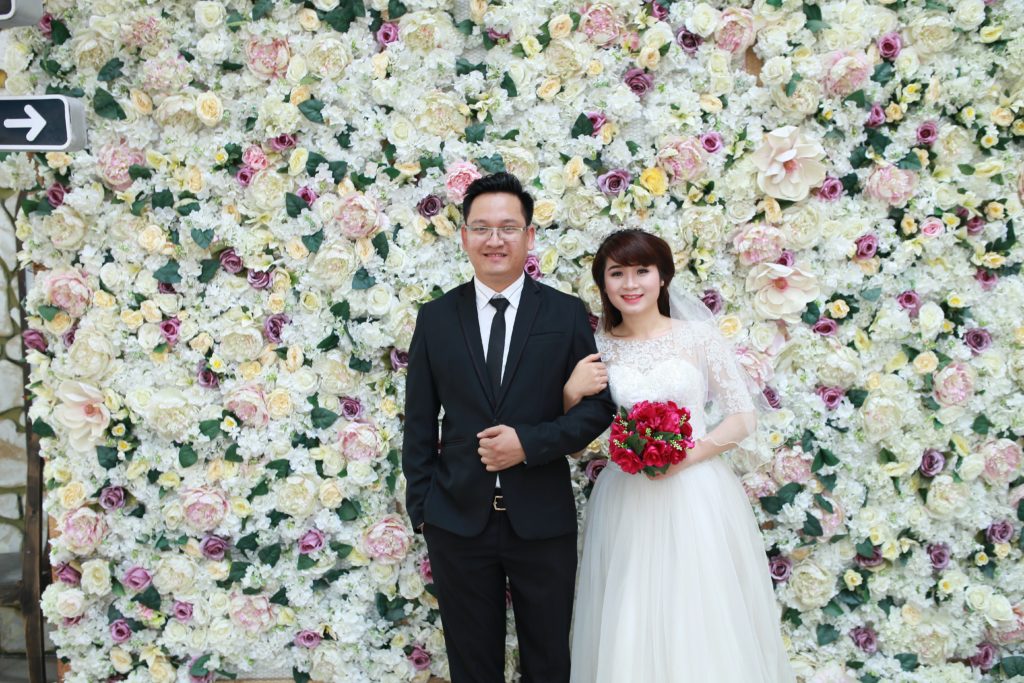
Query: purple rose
point(230, 261)
point(593, 320)
point(932, 462)
point(594, 468)
point(311, 541)
point(999, 532)
point(910, 301)
point(690, 42)
point(307, 639)
point(45, 24)
point(927, 133)
point(112, 498)
point(978, 339)
point(656, 9)
point(831, 396)
point(68, 574)
point(711, 141)
point(68, 622)
point(867, 246)
point(68, 338)
point(34, 340)
point(712, 298)
point(281, 142)
point(182, 611)
point(597, 120)
point(426, 572)
point(206, 377)
point(497, 36)
point(985, 657)
point(120, 631)
point(865, 638)
point(984, 277)
point(614, 182)
point(832, 189)
point(399, 359)
point(259, 279)
point(975, 224)
point(890, 45)
point(826, 327)
point(169, 329)
point(780, 567)
point(771, 395)
point(214, 547)
point(430, 206)
point(639, 81)
point(307, 194)
point(388, 33)
point(273, 325)
point(244, 175)
point(786, 258)
point(137, 578)
point(876, 559)
point(938, 555)
point(165, 288)
point(876, 117)
point(532, 267)
point(419, 658)
point(55, 195)
point(351, 408)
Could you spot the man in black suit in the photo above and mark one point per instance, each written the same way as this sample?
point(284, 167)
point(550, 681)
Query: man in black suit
point(496, 502)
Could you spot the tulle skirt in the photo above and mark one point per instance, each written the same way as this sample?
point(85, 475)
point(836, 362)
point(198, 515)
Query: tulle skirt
point(674, 584)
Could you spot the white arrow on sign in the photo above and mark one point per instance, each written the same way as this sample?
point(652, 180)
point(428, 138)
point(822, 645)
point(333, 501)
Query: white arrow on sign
point(35, 123)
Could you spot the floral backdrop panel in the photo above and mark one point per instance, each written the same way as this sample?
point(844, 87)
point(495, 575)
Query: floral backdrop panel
point(227, 279)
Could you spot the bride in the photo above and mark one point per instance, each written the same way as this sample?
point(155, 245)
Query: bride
point(674, 584)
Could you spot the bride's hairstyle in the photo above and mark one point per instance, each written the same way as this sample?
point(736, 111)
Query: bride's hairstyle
point(633, 247)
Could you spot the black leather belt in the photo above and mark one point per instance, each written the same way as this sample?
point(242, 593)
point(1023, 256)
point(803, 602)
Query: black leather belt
point(499, 501)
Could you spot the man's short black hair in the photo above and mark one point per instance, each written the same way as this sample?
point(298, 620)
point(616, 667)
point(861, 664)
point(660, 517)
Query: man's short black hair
point(503, 182)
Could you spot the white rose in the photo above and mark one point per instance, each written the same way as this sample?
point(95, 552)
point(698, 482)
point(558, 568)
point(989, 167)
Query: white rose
point(241, 343)
point(333, 266)
point(812, 586)
point(213, 47)
point(177, 111)
point(930, 318)
point(378, 300)
point(969, 14)
point(71, 603)
point(296, 496)
point(96, 577)
point(703, 20)
point(209, 15)
point(977, 597)
point(908, 63)
point(331, 494)
point(946, 498)
point(65, 228)
point(361, 472)
point(209, 109)
point(999, 610)
point(777, 71)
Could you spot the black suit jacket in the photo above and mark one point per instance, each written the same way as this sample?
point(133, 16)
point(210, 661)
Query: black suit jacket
point(448, 486)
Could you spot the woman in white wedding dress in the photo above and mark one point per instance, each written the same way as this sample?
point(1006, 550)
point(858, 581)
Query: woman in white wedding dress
point(673, 582)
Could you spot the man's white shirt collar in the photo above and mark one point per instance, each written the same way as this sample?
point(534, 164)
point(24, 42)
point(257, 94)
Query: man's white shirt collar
point(513, 292)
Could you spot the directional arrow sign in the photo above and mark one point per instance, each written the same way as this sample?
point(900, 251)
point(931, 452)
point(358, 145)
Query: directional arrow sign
point(41, 123)
point(20, 12)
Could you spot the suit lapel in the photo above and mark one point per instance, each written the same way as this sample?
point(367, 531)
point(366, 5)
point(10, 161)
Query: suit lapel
point(529, 304)
point(470, 323)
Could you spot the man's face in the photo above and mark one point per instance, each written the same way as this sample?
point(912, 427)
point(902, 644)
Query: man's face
point(498, 257)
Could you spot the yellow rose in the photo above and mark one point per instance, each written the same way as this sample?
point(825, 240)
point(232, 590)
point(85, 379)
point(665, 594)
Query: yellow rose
point(152, 239)
point(1001, 116)
point(655, 180)
point(72, 495)
point(141, 102)
point(240, 507)
point(299, 95)
point(121, 660)
point(549, 88)
point(151, 311)
point(330, 494)
point(279, 404)
point(249, 370)
point(103, 299)
point(574, 169)
point(839, 309)
point(131, 319)
point(544, 212)
point(925, 363)
point(297, 160)
point(991, 33)
point(308, 20)
point(58, 161)
point(276, 302)
point(595, 68)
point(169, 480)
point(729, 325)
point(209, 109)
point(852, 579)
point(560, 26)
point(531, 46)
point(994, 211)
point(60, 323)
point(649, 58)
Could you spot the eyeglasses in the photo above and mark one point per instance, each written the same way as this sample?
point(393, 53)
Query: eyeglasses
point(505, 232)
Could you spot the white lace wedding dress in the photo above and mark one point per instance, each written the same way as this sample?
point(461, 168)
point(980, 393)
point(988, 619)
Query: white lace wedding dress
point(673, 582)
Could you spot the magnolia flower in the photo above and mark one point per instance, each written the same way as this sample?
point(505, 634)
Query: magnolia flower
point(789, 164)
point(82, 413)
point(781, 291)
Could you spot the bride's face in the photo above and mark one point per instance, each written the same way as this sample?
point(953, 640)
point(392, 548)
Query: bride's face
point(632, 289)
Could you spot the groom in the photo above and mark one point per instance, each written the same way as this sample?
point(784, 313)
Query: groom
point(493, 497)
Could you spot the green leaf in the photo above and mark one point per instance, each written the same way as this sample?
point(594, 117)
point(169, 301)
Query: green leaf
point(210, 428)
point(163, 199)
point(866, 549)
point(363, 280)
point(789, 492)
point(492, 164)
point(168, 273)
point(281, 468)
point(280, 597)
point(110, 70)
point(107, 457)
point(910, 162)
point(380, 244)
point(186, 209)
point(323, 418)
point(827, 633)
point(305, 562)
point(348, 511)
point(871, 294)
point(48, 313)
point(359, 365)
point(313, 242)
point(812, 12)
point(463, 66)
point(823, 503)
point(509, 85)
point(966, 169)
point(210, 268)
point(465, 27)
point(59, 32)
point(341, 310)
point(198, 668)
point(311, 110)
point(773, 3)
point(262, 9)
point(395, 9)
point(294, 204)
point(187, 455)
point(40, 428)
point(149, 598)
point(202, 238)
point(771, 504)
point(106, 106)
point(1020, 510)
point(812, 527)
point(270, 554)
point(475, 132)
point(232, 455)
point(883, 73)
point(300, 676)
point(816, 25)
point(833, 608)
point(247, 543)
point(1013, 665)
point(791, 86)
point(981, 424)
point(329, 342)
point(582, 126)
point(907, 661)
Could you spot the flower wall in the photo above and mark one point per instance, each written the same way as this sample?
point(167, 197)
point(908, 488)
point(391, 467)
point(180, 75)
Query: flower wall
point(226, 282)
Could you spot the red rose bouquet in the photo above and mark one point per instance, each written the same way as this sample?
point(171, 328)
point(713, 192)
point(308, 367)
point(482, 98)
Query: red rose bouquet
point(650, 437)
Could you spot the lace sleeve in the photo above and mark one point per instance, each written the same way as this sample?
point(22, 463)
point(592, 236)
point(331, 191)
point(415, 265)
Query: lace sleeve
point(728, 388)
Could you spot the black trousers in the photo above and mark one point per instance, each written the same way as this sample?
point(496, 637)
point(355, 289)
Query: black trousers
point(470, 576)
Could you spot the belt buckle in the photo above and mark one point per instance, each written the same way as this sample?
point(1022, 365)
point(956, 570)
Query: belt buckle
point(498, 501)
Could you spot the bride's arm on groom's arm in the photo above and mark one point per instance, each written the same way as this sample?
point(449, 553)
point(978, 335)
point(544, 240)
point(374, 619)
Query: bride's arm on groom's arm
point(422, 406)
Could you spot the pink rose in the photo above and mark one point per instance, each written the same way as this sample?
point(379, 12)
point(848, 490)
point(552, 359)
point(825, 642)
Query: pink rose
point(253, 613)
point(69, 291)
point(268, 59)
point(791, 465)
point(361, 441)
point(82, 531)
point(832, 523)
point(114, 160)
point(756, 364)
point(932, 227)
point(891, 185)
point(954, 384)
point(249, 403)
point(1002, 461)
point(254, 158)
point(758, 242)
point(204, 507)
point(683, 159)
point(759, 485)
point(600, 23)
point(360, 215)
point(388, 540)
point(458, 179)
point(735, 31)
point(845, 72)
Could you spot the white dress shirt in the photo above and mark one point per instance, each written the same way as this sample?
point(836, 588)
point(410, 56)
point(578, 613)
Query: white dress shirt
point(485, 314)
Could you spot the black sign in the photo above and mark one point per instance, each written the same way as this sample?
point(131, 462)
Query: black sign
point(20, 12)
point(51, 123)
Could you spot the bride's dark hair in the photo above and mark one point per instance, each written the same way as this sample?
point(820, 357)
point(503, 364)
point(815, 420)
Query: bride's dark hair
point(632, 248)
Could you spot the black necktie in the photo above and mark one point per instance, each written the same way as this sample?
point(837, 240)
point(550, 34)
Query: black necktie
point(496, 342)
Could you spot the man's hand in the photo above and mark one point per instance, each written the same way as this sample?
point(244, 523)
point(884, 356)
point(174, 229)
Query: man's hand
point(500, 448)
